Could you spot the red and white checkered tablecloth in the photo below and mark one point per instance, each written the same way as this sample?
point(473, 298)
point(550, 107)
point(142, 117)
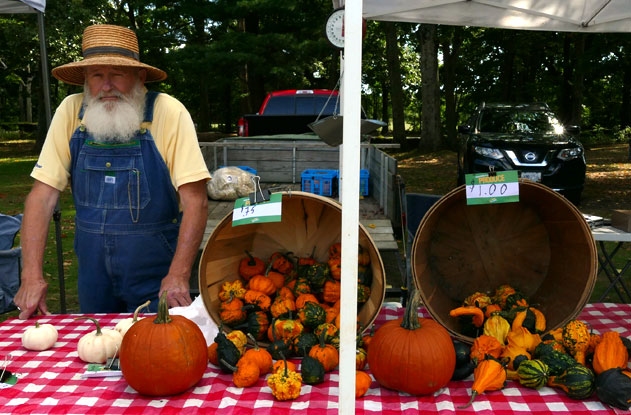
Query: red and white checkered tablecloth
point(50, 382)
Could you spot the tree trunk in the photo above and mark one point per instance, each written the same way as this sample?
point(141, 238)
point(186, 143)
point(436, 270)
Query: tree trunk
point(385, 106)
point(577, 91)
point(508, 68)
point(625, 107)
point(430, 93)
point(565, 99)
point(396, 89)
point(451, 51)
point(255, 82)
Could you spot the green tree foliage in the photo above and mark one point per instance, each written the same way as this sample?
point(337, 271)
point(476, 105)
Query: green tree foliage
point(223, 56)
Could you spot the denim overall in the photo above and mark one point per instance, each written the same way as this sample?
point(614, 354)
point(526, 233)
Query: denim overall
point(127, 219)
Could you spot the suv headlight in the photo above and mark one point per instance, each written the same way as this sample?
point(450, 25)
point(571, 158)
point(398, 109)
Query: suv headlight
point(492, 153)
point(570, 153)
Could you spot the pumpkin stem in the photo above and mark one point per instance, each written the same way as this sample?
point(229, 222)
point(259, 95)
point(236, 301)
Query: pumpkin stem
point(98, 326)
point(473, 395)
point(269, 267)
point(36, 324)
point(252, 261)
point(163, 311)
point(410, 318)
point(322, 338)
point(228, 365)
point(140, 307)
point(256, 345)
point(285, 361)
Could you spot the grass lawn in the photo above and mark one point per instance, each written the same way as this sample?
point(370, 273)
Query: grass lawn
point(607, 188)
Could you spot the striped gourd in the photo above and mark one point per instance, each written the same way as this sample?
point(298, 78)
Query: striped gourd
point(578, 382)
point(533, 373)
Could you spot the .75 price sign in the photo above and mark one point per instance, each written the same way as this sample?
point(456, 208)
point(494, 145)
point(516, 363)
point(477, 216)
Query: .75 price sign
point(497, 187)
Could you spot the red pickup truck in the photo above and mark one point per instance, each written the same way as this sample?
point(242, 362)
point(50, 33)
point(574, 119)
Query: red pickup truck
point(290, 112)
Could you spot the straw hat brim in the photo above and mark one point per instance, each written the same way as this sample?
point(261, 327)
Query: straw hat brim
point(73, 73)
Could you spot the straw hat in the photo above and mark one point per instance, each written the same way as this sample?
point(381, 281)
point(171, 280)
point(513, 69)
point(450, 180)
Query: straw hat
point(106, 45)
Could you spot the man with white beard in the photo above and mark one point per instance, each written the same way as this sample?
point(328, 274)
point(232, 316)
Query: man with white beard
point(138, 182)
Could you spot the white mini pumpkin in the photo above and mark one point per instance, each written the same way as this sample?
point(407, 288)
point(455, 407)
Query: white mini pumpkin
point(98, 346)
point(39, 337)
point(124, 325)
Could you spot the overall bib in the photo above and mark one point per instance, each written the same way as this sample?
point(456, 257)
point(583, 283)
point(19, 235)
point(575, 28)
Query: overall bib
point(127, 220)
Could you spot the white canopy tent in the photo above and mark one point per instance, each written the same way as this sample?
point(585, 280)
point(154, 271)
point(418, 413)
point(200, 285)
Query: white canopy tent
point(587, 16)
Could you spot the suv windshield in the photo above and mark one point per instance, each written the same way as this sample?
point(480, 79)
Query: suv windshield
point(511, 120)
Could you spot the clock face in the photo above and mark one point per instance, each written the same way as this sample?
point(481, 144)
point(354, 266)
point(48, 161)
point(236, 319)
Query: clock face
point(335, 28)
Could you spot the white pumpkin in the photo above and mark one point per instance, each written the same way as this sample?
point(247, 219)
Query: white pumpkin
point(39, 337)
point(98, 346)
point(124, 325)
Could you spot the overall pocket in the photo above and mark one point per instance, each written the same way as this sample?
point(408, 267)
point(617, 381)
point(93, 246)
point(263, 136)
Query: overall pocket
point(111, 181)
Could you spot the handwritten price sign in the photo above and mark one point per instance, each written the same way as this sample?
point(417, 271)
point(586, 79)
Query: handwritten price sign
point(245, 213)
point(489, 188)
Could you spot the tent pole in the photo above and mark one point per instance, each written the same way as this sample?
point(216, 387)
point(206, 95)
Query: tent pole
point(57, 211)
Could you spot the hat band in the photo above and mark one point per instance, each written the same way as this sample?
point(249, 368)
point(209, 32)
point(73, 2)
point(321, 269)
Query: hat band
point(98, 50)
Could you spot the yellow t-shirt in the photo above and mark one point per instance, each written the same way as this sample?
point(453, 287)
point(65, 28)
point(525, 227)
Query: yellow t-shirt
point(172, 129)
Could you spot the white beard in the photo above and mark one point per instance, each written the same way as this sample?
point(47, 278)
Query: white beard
point(114, 122)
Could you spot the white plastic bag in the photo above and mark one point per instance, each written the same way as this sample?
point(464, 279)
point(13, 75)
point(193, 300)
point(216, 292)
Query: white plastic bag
point(230, 183)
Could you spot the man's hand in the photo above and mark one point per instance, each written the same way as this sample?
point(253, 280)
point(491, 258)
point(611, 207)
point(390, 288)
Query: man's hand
point(194, 213)
point(31, 297)
point(177, 291)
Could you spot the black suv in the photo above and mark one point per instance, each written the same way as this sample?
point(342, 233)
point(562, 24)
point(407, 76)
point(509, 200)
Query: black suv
point(527, 138)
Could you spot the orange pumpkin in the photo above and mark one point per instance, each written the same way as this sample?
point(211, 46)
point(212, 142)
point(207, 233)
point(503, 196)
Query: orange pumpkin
point(331, 291)
point(212, 354)
point(282, 305)
point(412, 354)
point(281, 364)
point(260, 357)
point(166, 347)
point(335, 265)
point(610, 353)
point(262, 284)
point(362, 383)
point(484, 345)
point(325, 354)
point(258, 299)
point(250, 266)
point(302, 299)
point(335, 251)
point(277, 278)
point(280, 263)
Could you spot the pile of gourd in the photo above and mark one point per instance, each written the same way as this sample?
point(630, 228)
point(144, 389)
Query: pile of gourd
point(294, 303)
point(512, 343)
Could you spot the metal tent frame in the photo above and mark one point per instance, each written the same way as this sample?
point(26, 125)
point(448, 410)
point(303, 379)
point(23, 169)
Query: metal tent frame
point(39, 6)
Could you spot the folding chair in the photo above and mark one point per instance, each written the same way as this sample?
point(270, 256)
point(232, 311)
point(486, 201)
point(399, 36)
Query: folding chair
point(415, 205)
point(10, 261)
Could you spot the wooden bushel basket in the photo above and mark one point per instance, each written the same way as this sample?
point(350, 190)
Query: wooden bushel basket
point(541, 245)
point(308, 221)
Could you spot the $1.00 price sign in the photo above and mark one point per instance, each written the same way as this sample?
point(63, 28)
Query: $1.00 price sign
point(245, 213)
point(485, 188)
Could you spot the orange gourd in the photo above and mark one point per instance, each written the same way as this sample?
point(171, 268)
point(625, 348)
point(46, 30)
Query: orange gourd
point(412, 354)
point(212, 354)
point(335, 265)
point(258, 299)
point(231, 311)
point(286, 292)
point(489, 375)
point(165, 355)
point(325, 354)
point(610, 353)
point(485, 345)
point(331, 291)
point(280, 263)
point(475, 312)
point(362, 383)
point(282, 305)
point(302, 299)
point(262, 284)
point(281, 364)
point(261, 357)
point(576, 339)
point(335, 251)
point(250, 266)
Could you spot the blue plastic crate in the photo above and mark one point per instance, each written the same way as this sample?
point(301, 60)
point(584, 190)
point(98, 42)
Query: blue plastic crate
point(320, 182)
point(364, 177)
point(245, 168)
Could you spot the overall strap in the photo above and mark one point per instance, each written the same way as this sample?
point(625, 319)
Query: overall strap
point(150, 99)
